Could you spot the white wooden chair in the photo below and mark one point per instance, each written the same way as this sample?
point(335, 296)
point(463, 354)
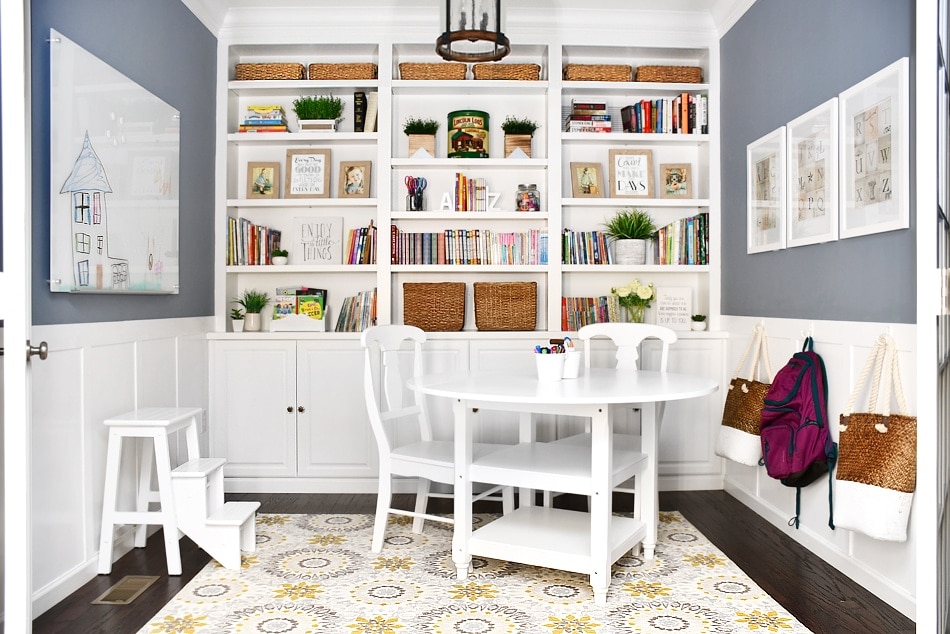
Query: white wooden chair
point(627, 338)
point(403, 432)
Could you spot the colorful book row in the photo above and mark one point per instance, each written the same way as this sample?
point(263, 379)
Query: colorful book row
point(469, 246)
point(585, 247)
point(581, 311)
point(685, 241)
point(361, 245)
point(684, 114)
point(357, 313)
point(250, 244)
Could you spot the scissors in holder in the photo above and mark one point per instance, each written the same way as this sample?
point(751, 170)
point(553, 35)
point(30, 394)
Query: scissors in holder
point(415, 185)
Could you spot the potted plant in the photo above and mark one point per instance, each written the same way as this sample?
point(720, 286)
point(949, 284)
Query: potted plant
point(629, 230)
point(421, 133)
point(320, 112)
point(699, 322)
point(237, 320)
point(518, 133)
point(253, 302)
point(279, 256)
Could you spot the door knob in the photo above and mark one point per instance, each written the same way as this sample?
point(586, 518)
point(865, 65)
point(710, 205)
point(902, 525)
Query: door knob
point(301, 409)
point(290, 409)
point(42, 350)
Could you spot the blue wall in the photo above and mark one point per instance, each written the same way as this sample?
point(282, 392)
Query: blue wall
point(778, 61)
point(163, 47)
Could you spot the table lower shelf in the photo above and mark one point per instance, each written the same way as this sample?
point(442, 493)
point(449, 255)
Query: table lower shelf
point(552, 538)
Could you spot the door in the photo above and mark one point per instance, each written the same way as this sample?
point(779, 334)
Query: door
point(15, 312)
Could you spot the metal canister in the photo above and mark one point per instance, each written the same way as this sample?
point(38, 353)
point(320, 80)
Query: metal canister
point(468, 134)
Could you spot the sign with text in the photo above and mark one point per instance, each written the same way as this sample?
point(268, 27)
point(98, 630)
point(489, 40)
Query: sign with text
point(674, 307)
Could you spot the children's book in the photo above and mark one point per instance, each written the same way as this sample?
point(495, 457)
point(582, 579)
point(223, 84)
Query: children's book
point(284, 305)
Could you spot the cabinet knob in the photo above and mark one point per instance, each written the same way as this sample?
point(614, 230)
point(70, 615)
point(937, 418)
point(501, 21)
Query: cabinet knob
point(301, 409)
point(290, 409)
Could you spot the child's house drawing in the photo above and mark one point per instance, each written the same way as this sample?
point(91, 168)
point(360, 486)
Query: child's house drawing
point(87, 186)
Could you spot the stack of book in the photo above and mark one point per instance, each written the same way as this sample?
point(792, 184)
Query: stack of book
point(585, 247)
point(471, 194)
point(267, 118)
point(588, 115)
point(358, 312)
point(469, 246)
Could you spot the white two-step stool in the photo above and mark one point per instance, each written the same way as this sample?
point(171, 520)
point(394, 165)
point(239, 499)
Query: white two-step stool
point(157, 423)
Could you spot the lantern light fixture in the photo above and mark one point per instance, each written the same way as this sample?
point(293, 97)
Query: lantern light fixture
point(472, 32)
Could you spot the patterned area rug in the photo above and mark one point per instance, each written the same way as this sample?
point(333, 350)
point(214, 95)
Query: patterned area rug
point(315, 573)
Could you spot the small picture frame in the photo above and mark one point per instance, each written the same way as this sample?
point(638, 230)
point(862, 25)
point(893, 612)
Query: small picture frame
point(765, 192)
point(874, 153)
point(355, 179)
point(587, 180)
point(263, 180)
point(676, 180)
point(631, 174)
point(308, 174)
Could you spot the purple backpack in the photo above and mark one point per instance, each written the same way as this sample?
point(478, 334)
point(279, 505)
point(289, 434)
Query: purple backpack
point(797, 448)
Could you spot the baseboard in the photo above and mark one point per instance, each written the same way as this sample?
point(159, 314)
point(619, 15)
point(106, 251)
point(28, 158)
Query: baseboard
point(52, 593)
point(868, 578)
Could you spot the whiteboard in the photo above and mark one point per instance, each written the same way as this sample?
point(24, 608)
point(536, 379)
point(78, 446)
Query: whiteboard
point(114, 179)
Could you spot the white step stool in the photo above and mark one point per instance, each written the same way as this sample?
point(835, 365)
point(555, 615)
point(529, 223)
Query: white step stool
point(222, 529)
point(155, 423)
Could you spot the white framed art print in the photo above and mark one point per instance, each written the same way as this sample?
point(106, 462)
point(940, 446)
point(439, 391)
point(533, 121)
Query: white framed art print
point(875, 128)
point(812, 141)
point(765, 164)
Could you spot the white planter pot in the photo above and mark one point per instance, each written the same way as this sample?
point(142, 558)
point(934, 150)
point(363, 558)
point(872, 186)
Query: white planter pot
point(698, 325)
point(630, 251)
point(317, 125)
point(237, 325)
point(252, 322)
point(279, 260)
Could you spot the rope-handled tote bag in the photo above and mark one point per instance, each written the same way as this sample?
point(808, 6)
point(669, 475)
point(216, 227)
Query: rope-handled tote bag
point(877, 461)
point(738, 438)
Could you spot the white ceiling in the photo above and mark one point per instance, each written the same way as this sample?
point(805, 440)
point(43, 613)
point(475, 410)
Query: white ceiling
point(216, 14)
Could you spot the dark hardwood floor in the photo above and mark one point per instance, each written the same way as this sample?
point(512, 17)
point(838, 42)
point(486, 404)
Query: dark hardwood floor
point(820, 597)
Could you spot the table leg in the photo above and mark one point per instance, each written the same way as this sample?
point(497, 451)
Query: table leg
point(600, 504)
point(527, 433)
point(462, 498)
point(650, 506)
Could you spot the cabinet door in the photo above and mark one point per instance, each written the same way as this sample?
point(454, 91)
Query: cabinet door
point(333, 433)
point(254, 386)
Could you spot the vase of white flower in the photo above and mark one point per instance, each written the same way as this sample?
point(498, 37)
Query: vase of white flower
point(634, 298)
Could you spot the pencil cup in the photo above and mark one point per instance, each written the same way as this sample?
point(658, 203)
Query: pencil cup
point(572, 363)
point(550, 366)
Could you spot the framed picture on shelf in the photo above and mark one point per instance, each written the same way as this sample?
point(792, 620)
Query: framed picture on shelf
point(631, 174)
point(308, 174)
point(587, 180)
point(355, 179)
point(875, 128)
point(263, 180)
point(676, 180)
point(812, 187)
point(765, 165)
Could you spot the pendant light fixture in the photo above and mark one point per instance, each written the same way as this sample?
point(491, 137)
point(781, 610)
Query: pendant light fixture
point(472, 32)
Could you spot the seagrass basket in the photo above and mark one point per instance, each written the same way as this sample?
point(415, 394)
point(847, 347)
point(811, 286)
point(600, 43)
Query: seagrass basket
point(342, 71)
point(506, 305)
point(519, 72)
point(670, 74)
point(597, 72)
point(434, 306)
point(278, 70)
point(438, 70)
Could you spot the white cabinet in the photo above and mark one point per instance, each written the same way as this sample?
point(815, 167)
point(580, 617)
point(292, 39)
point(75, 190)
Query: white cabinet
point(284, 408)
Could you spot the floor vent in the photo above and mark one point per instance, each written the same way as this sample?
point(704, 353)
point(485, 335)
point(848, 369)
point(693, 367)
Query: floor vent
point(126, 590)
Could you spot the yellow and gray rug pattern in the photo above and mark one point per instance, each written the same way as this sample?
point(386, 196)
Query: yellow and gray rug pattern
point(315, 574)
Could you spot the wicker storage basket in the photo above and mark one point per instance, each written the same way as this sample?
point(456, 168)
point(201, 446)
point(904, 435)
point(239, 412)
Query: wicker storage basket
point(597, 72)
point(438, 70)
point(342, 71)
point(670, 74)
point(280, 70)
point(521, 72)
point(434, 306)
point(506, 305)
